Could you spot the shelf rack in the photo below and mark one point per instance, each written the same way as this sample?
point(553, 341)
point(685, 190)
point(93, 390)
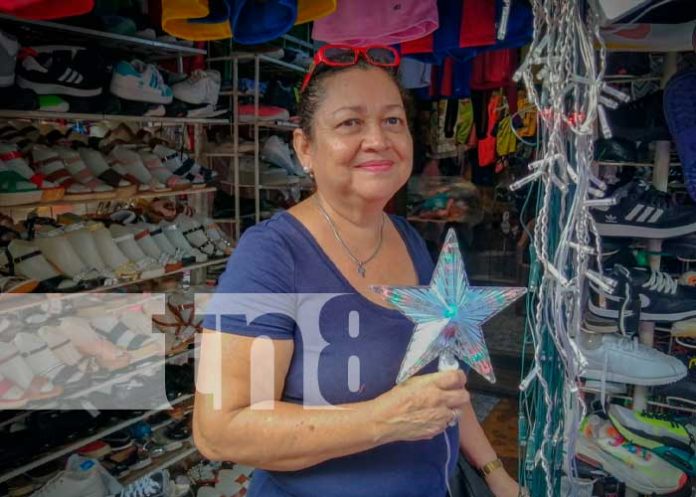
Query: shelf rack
point(72, 116)
point(133, 45)
point(8, 305)
point(81, 443)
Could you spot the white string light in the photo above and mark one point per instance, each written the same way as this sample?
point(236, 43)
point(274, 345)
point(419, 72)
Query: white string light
point(568, 106)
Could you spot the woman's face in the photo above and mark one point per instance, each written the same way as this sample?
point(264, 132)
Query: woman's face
point(360, 145)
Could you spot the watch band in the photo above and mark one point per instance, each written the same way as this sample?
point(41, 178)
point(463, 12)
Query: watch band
point(490, 467)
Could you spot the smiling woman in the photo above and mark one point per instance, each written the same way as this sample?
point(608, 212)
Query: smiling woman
point(313, 405)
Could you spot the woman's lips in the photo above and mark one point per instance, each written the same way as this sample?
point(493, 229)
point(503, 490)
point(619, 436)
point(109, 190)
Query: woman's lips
point(376, 165)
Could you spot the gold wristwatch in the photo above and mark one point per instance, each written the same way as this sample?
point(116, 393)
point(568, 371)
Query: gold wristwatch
point(490, 467)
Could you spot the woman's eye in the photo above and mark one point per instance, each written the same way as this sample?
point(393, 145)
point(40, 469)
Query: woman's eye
point(349, 123)
point(394, 121)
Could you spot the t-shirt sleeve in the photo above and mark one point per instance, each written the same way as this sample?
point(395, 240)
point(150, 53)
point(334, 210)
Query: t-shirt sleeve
point(255, 294)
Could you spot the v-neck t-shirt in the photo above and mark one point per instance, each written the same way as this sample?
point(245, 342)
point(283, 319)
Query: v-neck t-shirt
point(354, 355)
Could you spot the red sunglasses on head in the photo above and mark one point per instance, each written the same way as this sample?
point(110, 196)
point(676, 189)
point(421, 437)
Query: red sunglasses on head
point(346, 55)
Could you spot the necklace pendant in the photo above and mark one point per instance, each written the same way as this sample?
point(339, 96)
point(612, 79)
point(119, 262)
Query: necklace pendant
point(361, 270)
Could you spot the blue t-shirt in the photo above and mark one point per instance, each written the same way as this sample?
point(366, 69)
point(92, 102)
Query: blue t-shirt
point(356, 351)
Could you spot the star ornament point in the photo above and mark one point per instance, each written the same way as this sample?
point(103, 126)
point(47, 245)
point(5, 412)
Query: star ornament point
point(448, 315)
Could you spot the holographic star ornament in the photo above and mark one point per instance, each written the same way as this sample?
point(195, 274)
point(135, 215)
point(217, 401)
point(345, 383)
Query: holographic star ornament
point(448, 315)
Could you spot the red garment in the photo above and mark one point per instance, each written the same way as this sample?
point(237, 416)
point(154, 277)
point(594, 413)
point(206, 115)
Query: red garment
point(447, 77)
point(477, 28)
point(494, 69)
point(486, 146)
point(421, 45)
point(46, 9)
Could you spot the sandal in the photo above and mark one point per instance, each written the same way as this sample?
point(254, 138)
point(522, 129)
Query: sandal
point(139, 347)
point(11, 396)
point(154, 165)
point(161, 209)
point(15, 285)
point(178, 166)
point(195, 234)
point(130, 162)
point(91, 343)
point(14, 160)
point(22, 258)
point(79, 171)
point(96, 163)
point(14, 368)
point(49, 163)
point(15, 190)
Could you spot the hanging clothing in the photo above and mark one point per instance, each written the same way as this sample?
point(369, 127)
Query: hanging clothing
point(477, 26)
point(311, 10)
point(369, 22)
point(436, 45)
point(494, 69)
point(177, 13)
point(255, 22)
point(414, 74)
point(487, 145)
point(46, 9)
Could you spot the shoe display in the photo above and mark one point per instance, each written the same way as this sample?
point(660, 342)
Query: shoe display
point(154, 164)
point(8, 57)
point(277, 152)
point(665, 435)
point(177, 238)
point(59, 70)
point(131, 163)
point(247, 113)
point(98, 165)
point(44, 362)
point(59, 251)
point(201, 87)
point(80, 237)
point(157, 484)
point(141, 82)
point(80, 477)
point(644, 212)
point(656, 295)
point(623, 360)
point(602, 446)
point(184, 166)
point(124, 238)
point(683, 391)
point(15, 189)
point(53, 103)
point(14, 160)
point(28, 260)
point(49, 163)
point(79, 171)
point(642, 120)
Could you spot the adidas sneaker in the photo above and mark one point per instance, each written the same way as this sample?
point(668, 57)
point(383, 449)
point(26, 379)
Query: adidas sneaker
point(60, 70)
point(140, 82)
point(653, 294)
point(644, 212)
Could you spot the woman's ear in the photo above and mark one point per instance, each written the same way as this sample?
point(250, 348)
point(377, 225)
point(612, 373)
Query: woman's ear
point(300, 141)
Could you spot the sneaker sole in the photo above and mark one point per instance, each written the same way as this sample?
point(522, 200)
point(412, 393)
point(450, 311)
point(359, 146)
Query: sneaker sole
point(595, 374)
point(51, 89)
point(644, 316)
point(621, 230)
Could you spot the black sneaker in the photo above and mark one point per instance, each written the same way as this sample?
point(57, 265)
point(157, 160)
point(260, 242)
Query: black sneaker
point(644, 212)
point(59, 70)
point(598, 324)
point(683, 248)
point(640, 120)
point(651, 295)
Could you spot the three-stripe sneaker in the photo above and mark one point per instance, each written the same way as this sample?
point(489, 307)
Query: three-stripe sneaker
point(140, 82)
point(61, 70)
point(644, 212)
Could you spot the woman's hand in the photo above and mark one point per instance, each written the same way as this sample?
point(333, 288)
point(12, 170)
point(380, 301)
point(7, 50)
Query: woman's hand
point(503, 485)
point(421, 407)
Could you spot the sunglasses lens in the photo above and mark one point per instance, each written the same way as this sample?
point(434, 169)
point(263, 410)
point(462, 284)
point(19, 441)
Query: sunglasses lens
point(382, 55)
point(339, 55)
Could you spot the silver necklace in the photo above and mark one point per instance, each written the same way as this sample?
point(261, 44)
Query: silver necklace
point(360, 264)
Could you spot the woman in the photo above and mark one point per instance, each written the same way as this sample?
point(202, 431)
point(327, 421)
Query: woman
point(378, 439)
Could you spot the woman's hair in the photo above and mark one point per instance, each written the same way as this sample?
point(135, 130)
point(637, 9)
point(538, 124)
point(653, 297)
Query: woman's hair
point(311, 98)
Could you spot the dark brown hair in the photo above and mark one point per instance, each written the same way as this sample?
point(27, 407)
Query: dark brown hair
point(311, 98)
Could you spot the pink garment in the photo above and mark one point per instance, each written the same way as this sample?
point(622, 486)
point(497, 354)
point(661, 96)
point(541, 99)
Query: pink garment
point(377, 22)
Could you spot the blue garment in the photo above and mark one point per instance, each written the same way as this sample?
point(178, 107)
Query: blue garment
point(256, 22)
point(281, 256)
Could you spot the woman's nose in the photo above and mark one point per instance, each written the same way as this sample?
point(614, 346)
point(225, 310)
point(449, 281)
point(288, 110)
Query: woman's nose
point(375, 138)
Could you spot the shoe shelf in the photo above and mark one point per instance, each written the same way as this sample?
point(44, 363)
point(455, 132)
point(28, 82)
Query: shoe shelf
point(652, 403)
point(138, 369)
point(147, 195)
point(276, 64)
point(10, 305)
point(57, 453)
point(133, 45)
point(37, 115)
point(161, 463)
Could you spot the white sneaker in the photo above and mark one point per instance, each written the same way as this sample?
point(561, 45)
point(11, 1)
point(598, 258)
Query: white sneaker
point(157, 484)
point(140, 82)
point(623, 360)
point(8, 59)
point(201, 87)
point(81, 477)
point(277, 152)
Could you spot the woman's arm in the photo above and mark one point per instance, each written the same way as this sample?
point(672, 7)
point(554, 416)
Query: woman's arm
point(478, 450)
point(250, 426)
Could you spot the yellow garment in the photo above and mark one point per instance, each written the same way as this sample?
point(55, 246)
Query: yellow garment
point(311, 10)
point(506, 143)
point(527, 111)
point(465, 121)
point(175, 16)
